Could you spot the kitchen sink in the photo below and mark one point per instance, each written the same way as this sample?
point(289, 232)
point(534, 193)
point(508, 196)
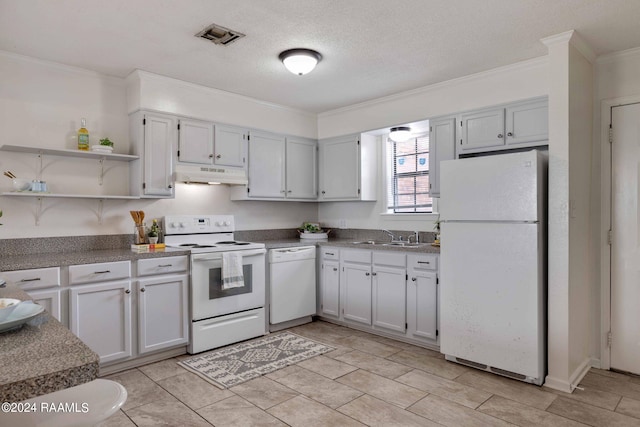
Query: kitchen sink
point(401, 244)
point(368, 242)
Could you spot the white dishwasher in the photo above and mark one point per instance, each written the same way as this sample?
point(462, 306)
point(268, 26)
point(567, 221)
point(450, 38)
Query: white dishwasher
point(292, 278)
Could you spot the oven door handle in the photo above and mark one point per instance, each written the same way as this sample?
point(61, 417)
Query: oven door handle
point(218, 255)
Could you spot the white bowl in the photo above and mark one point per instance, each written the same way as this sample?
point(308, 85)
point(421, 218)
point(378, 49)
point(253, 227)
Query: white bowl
point(20, 184)
point(7, 305)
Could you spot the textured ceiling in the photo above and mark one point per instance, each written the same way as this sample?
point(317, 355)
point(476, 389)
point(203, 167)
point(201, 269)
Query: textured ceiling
point(371, 48)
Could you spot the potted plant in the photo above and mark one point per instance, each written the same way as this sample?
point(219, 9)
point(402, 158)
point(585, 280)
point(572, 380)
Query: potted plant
point(153, 232)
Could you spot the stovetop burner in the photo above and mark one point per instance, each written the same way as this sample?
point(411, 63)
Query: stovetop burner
point(233, 242)
point(196, 246)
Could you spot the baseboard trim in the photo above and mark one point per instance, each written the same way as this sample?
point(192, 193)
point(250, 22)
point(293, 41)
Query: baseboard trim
point(595, 363)
point(134, 363)
point(569, 385)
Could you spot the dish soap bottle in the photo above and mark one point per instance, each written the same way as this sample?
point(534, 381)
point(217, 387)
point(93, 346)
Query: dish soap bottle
point(83, 136)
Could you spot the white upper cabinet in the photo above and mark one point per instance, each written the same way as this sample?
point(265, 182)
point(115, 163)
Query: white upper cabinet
point(153, 138)
point(482, 129)
point(266, 165)
point(527, 122)
point(301, 168)
point(195, 142)
point(229, 145)
point(521, 124)
point(348, 168)
point(442, 134)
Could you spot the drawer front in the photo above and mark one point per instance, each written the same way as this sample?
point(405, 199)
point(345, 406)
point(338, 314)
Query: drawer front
point(394, 259)
point(423, 262)
point(356, 255)
point(330, 253)
point(153, 266)
point(37, 278)
point(100, 272)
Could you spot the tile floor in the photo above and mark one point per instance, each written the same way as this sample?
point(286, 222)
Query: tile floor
point(375, 381)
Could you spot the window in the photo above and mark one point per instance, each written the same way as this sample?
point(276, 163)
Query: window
point(408, 177)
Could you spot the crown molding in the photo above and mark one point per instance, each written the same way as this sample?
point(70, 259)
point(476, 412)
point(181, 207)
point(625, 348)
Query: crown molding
point(63, 67)
point(142, 75)
point(575, 39)
point(522, 65)
point(615, 56)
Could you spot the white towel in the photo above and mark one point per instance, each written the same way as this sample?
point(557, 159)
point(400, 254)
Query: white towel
point(232, 270)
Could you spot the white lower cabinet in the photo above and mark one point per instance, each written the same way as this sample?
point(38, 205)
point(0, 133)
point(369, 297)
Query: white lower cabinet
point(100, 315)
point(389, 291)
point(330, 288)
point(50, 300)
point(162, 312)
point(422, 298)
point(43, 285)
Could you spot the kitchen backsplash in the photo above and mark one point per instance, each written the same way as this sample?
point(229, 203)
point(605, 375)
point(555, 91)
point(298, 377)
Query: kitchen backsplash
point(26, 246)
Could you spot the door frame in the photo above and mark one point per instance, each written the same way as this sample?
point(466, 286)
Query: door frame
point(606, 208)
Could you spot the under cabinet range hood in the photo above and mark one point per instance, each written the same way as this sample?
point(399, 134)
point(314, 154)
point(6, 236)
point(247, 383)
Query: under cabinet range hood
point(210, 175)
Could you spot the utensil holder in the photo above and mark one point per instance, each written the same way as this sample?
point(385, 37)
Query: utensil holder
point(139, 232)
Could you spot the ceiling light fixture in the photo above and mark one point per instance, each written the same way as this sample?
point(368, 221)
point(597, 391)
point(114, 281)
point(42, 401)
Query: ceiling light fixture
point(400, 133)
point(300, 61)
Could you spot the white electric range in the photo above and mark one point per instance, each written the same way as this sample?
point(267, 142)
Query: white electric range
point(219, 316)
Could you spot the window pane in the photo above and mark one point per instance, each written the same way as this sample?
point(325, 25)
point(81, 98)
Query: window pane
point(423, 162)
point(406, 200)
point(423, 199)
point(408, 147)
point(422, 184)
point(406, 164)
point(406, 185)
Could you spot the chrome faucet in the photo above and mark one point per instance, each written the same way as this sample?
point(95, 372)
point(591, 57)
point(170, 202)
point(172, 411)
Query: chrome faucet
point(393, 236)
point(416, 237)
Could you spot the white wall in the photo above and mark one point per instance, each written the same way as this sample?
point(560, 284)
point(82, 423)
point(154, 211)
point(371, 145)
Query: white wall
point(524, 80)
point(41, 104)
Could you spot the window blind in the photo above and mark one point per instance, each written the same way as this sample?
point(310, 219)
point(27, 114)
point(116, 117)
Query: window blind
point(408, 183)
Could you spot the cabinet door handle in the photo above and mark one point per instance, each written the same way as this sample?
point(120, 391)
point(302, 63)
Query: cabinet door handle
point(500, 135)
point(165, 265)
point(211, 156)
point(219, 156)
point(102, 272)
point(329, 253)
point(424, 262)
point(374, 274)
point(323, 192)
point(510, 134)
point(367, 274)
point(30, 280)
point(169, 186)
point(335, 269)
point(289, 191)
point(282, 191)
point(127, 291)
point(142, 289)
point(413, 279)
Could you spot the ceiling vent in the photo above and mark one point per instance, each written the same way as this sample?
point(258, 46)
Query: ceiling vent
point(219, 35)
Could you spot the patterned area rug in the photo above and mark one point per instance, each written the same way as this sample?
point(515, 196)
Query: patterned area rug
point(241, 362)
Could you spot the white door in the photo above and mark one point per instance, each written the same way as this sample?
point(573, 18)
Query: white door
point(355, 283)
point(50, 300)
point(163, 318)
point(301, 169)
point(482, 129)
point(527, 122)
point(159, 138)
point(389, 298)
point(229, 146)
point(441, 147)
point(330, 283)
point(100, 315)
point(625, 247)
point(266, 165)
point(195, 142)
point(340, 169)
point(422, 304)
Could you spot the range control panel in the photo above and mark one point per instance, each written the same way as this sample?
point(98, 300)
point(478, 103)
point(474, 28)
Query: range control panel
point(193, 224)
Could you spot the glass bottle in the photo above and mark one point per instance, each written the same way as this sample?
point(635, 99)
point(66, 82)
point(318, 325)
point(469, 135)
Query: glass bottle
point(83, 136)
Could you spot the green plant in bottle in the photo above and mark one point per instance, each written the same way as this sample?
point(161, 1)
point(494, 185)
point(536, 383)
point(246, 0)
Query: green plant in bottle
point(154, 229)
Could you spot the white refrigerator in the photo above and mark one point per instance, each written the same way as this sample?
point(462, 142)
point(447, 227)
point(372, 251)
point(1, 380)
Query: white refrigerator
point(493, 263)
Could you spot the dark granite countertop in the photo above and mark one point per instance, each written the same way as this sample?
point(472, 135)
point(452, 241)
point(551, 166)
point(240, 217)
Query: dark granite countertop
point(58, 259)
point(38, 360)
point(348, 243)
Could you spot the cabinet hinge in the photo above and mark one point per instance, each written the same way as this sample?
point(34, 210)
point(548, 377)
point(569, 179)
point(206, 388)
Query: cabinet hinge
point(430, 128)
point(144, 122)
point(406, 326)
point(358, 142)
point(437, 280)
point(178, 126)
point(609, 237)
point(609, 338)
point(437, 332)
point(406, 277)
point(144, 185)
point(460, 142)
point(178, 153)
point(244, 160)
point(248, 137)
point(247, 190)
point(358, 191)
point(610, 134)
point(460, 122)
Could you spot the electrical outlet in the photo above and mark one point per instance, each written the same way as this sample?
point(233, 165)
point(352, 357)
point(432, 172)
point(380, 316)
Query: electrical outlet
point(342, 223)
